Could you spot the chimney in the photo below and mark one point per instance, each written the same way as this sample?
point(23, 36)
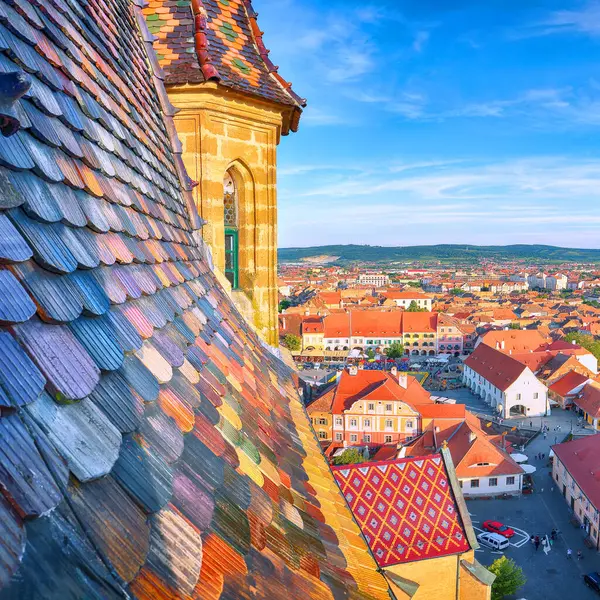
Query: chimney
point(353, 370)
point(394, 371)
point(497, 345)
point(510, 351)
point(574, 342)
point(472, 437)
point(502, 344)
point(437, 429)
point(403, 380)
point(307, 313)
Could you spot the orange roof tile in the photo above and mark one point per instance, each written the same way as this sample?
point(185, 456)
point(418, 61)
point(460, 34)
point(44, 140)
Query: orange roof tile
point(376, 385)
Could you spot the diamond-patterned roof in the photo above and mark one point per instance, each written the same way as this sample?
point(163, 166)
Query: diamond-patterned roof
point(405, 508)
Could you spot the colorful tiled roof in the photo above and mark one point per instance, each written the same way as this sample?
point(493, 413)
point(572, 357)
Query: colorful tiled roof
point(150, 446)
point(202, 40)
point(405, 508)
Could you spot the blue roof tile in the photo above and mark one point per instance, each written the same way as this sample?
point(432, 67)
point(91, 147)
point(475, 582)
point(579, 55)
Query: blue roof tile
point(20, 379)
point(70, 372)
point(15, 304)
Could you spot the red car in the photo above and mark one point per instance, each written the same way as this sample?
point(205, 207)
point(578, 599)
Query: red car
point(497, 527)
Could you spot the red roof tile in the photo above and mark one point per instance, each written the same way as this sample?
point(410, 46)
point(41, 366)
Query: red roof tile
point(405, 508)
point(589, 400)
point(500, 369)
point(567, 383)
point(581, 458)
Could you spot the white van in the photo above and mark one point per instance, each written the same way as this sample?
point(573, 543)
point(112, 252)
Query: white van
point(495, 541)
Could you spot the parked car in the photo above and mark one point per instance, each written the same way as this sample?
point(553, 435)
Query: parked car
point(592, 580)
point(493, 540)
point(497, 527)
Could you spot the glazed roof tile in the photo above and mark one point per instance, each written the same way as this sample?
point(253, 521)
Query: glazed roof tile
point(149, 444)
point(405, 508)
point(203, 40)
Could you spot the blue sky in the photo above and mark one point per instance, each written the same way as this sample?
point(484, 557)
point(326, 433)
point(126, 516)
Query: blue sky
point(439, 121)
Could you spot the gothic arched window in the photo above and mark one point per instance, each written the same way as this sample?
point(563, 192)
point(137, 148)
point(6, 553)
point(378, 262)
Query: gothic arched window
point(230, 212)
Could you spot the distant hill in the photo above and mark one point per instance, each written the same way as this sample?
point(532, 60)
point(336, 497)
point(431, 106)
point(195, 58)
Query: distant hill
point(441, 252)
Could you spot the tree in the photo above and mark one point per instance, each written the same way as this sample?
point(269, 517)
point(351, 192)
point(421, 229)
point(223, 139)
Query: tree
point(370, 353)
point(509, 577)
point(351, 456)
point(292, 342)
point(514, 326)
point(456, 291)
point(395, 350)
point(284, 304)
point(585, 341)
point(414, 307)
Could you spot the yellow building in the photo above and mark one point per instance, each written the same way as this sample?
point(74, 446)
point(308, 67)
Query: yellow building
point(233, 108)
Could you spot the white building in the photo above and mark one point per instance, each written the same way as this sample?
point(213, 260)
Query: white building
point(404, 299)
point(537, 281)
point(507, 385)
point(374, 279)
point(557, 282)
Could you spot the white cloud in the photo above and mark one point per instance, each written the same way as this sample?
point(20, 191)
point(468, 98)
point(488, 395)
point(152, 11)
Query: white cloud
point(317, 116)
point(551, 188)
point(421, 39)
point(585, 21)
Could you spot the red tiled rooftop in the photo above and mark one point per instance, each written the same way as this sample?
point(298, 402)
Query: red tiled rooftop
point(500, 369)
point(581, 458)
point(405, 508)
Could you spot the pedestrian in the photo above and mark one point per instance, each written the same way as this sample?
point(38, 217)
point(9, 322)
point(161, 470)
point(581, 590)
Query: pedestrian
point(579, 554)
point(553, 534)
point(555, 438)
point(545, 434)
point(569, 553)
point(537, 542)
point(530, 423)
point(543, 456)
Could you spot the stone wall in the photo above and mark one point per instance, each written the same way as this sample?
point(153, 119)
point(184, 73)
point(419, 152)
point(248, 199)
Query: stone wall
point(220, 131)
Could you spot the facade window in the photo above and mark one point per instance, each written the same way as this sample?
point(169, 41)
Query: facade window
point(535, 396)
point(367, 422)
point(389, 423)
point(370, 406)
point(518, 396)
point(493, 481)
point(230, 210)
point(388, 408)
point(387, 439)
point(338, 421)
point(367, 438)
point(338, 437)
point(353, 423)
point(474, 483)
point(322, 421)
point(322, 435)
point(409, 424)
point(353, 437)
point(510, 481)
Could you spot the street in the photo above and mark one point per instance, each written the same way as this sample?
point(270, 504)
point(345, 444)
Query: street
point(549, 573)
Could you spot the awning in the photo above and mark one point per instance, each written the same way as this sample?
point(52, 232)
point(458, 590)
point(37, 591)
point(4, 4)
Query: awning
point(520, 458)
point(529, 469)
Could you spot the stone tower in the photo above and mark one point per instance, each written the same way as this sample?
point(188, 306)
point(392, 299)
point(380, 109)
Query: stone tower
point(233, 109)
